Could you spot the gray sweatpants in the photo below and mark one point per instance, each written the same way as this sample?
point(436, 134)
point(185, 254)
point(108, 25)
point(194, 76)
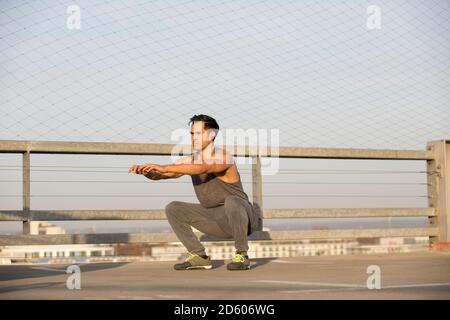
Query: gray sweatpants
point(229, 221)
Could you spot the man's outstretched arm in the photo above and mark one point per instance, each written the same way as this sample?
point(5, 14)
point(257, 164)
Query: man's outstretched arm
point(195, 169)
point(155, 175)
point(189, 168)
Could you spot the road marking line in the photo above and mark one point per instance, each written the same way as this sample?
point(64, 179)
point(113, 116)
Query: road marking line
point(320, 284)
point(418, 285)
point(136, 297)
point(48, 269)
point(171, 296)
point(345, 287)
point(302, 262)
point(282, 261)
point(320, 290)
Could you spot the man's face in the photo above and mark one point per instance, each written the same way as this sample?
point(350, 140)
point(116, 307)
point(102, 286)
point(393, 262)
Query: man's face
point(200, 138)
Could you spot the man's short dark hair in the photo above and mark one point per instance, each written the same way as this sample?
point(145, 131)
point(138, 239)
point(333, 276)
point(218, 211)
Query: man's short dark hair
point(209, 122)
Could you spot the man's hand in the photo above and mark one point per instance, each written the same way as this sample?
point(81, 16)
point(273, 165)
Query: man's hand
point(155, 175)
point(135, 169)
point(151, 167)
point(146, 168)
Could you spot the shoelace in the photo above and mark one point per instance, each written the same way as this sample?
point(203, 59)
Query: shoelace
point(191, 256)
point(238, 258)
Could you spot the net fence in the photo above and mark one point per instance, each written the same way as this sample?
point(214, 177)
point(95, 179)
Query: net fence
point(358, 74)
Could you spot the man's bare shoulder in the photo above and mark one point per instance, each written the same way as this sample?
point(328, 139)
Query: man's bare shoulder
point(223, 156)
point(184, 160)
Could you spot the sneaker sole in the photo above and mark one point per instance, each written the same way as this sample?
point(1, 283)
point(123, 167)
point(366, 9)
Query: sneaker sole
point(197, 267)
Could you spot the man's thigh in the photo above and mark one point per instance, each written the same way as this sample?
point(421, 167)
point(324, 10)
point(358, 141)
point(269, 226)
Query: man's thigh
point(203, 219)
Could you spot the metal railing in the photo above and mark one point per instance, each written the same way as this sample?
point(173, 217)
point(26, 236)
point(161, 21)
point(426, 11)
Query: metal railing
point(437, 156)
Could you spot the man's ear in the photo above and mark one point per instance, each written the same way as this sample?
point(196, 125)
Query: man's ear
point(212, 134)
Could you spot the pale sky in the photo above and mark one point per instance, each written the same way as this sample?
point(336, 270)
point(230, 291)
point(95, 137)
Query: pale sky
point(136, 71)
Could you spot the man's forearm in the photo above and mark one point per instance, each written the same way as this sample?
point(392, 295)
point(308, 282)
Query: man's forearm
point(190, 169)
point(159, 176)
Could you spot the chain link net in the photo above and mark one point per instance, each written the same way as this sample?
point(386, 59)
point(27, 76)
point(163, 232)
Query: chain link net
point(137, 70)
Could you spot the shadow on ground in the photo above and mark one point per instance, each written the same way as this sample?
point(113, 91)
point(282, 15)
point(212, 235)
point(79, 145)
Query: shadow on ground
point(255, 263)
point(37, 271)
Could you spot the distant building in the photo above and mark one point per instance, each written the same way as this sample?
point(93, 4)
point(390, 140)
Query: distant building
point(295, 248)
point(220, 250)
point(45, 227)
point(11, 254)
point(34, 253)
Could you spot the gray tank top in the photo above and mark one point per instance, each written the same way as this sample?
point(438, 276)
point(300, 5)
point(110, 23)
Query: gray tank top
point(211, 191)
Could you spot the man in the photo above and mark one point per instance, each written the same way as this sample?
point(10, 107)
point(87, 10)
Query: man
point(224, 210)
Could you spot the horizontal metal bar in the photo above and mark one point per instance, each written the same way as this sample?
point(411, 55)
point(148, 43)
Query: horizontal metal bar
point(58, 215)
point(353, 153)
point(348, 212)
point(10, 240)
point(344, 233)
point(159, 214)
point(74, 147)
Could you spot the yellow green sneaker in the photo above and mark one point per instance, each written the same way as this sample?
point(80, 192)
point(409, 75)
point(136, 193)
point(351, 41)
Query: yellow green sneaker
point(240, 261)
point(194, 261)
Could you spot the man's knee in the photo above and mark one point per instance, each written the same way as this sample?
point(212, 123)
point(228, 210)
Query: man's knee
point(173, 208)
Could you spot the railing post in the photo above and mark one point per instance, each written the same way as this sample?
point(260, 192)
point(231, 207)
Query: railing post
point(446, 186)
point(28, 227)
point(257, 181)
point(439, 188)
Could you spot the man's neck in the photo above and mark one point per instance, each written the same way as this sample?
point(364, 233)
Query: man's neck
point(206, 153)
